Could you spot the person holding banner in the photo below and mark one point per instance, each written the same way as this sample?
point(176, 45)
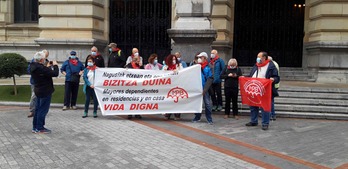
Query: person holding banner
point(231, 74)
point(172, 64)
point(153, 63)
point(207, 80)
point(88, 87)
point(135, 64)
point(135, 52)
point(263, 68)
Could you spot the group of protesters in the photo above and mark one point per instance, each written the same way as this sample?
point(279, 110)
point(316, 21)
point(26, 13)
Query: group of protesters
point(213, 70)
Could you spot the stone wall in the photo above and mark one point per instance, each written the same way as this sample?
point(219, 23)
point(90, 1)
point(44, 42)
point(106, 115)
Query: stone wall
point(326, 39)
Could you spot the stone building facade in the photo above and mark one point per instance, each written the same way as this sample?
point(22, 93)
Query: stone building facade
point(68, 25)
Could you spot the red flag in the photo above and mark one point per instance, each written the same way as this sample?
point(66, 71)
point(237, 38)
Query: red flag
point(256, 92)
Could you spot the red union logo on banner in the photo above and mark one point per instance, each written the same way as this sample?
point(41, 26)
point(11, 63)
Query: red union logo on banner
point(256, 92)
point(177, 93)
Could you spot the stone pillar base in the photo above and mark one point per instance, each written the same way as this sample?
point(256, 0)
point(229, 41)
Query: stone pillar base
point(330, 59)
point(189, 42)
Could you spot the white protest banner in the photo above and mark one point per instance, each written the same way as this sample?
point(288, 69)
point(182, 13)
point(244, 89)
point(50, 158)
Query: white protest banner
point(138, 91)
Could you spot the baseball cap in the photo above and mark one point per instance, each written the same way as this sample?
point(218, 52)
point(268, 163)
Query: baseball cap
point(112, 45)
point(72, 53)
point(203, 54)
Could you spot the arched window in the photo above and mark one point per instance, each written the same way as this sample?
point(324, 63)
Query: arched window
point(26, 11)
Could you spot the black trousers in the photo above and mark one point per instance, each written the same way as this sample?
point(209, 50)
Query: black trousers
point(70, 94)
point(215, 94)
point(231, 94)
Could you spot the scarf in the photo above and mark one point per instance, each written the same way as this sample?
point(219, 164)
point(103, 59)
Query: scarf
point(204, 64)
point(92, 68)
point(262, 64)
point(212, 61)
point(73, 62)
point(115, 50)
point(135, 65)
point(171, 67)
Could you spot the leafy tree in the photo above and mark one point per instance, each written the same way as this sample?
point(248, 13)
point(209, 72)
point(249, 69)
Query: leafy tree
point(12, 64)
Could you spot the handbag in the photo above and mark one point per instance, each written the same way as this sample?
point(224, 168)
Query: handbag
point(74, 77)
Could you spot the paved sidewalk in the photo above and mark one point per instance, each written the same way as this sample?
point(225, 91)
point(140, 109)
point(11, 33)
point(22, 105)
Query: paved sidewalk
point(115, 142)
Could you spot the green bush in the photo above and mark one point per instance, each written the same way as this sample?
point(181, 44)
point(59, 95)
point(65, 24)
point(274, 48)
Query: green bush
point(12, 64)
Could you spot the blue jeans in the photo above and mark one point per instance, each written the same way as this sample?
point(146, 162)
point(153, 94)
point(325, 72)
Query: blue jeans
point(90, 93)
point(41, 109)
point(206, 100)
point(273, 115)
point(254, 111)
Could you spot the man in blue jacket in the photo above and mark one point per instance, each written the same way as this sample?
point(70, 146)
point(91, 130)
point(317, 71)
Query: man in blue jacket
point(207, 79)
point(264, 68)
point(43, 88)
point(217, 65)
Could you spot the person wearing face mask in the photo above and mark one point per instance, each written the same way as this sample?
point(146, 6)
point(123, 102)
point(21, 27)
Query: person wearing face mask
point(207, 80)
point(153, 63)
point(183, 63)
point(99, 60)
point(172, 64)
point(217, 65)
point(273, 114)
point(231, 74)
point(116, 57)
point(264, 68)
point(72, 69)
point(134, 64)
point(88, 87)
point(135, 52)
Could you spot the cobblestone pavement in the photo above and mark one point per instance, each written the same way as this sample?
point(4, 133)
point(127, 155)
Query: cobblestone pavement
point(115, 142)
point(104, 142)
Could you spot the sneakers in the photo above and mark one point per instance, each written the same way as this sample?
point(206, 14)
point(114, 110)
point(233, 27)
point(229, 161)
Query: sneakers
point(43, 131)
point(251, 124)
point(64, 108)
point(219, 108)
point(264, 127)
point(95, 115)
point(74, 107)
point(273, 119)
point(210, 123)
point(85, 115)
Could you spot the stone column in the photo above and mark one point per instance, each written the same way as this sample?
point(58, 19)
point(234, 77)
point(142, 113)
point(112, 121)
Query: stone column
point(72, 25)
point(192, 32)
point(326, 39)
point(222, 20)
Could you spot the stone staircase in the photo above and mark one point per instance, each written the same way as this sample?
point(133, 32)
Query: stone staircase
point(309, 102)
point(289, 74)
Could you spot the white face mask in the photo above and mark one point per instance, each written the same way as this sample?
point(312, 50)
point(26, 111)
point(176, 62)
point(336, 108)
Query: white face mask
point(174, 62)
point(212, 55)
point(136, 54)
point(199, 60)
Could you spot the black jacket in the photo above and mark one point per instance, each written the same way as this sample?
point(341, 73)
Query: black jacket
point(42, 76)
point(99, 61)
point(231, 82)
point(117, 59)
point(272, 71)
